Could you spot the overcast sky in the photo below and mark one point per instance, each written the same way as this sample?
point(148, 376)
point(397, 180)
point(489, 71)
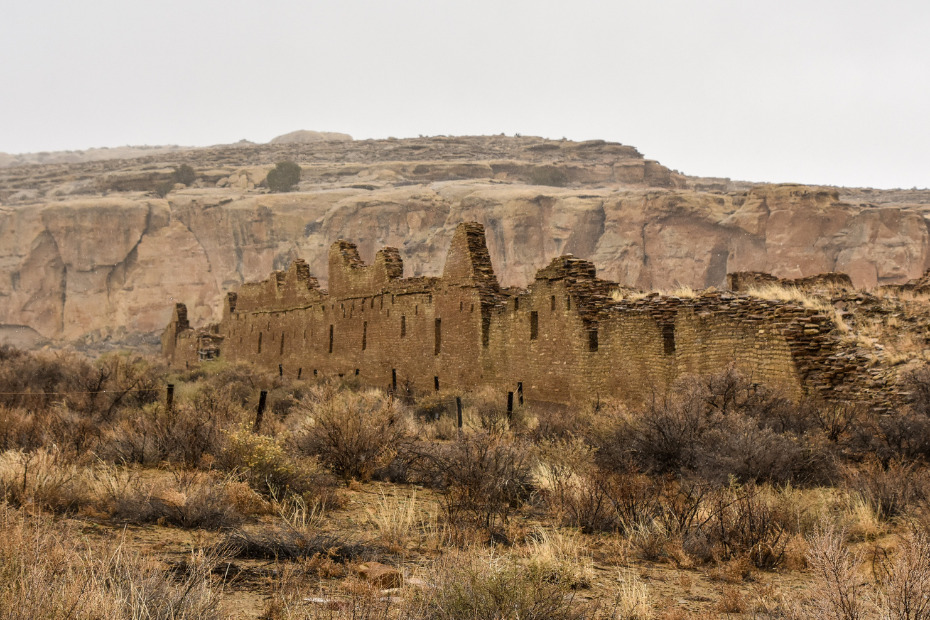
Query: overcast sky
point(833, 92)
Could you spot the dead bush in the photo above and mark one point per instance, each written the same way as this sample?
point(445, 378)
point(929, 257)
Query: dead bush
point(839, 593)
point(485, 478)
point(744, 522)
point(352, 433)
point(742, 448)
point(888, 489)
point(904, 579)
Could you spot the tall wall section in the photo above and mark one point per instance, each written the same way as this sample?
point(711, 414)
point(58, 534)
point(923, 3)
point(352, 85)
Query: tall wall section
point(568, 337)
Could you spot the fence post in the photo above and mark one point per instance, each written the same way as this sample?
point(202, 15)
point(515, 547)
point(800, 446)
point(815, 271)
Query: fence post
point(280, 370)
point(458, 412)
point(169, 398)
point(509, 405)
point(261, 411)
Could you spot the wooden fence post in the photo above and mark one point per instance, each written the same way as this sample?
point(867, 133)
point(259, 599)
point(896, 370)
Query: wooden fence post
point(169, 398)
point(261, 411)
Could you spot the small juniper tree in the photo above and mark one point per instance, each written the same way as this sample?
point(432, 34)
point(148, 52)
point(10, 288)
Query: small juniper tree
point(283, 177)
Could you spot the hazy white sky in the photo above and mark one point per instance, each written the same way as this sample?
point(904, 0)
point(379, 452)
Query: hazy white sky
point(814, 91)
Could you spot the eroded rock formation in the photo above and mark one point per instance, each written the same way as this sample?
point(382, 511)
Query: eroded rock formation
point(88, 251)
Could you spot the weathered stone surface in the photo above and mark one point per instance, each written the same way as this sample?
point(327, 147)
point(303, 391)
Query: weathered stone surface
point(73, 264)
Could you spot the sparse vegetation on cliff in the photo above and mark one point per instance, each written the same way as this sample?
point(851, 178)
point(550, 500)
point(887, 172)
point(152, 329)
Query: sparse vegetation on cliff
point(283, 177)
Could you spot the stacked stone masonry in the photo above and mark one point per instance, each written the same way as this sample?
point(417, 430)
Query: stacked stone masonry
point(566, 338)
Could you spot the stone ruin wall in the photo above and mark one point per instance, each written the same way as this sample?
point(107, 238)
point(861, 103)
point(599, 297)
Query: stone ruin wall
point(564, 339)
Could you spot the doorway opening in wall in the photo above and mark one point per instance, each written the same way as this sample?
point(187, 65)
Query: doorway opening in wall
point(330, 338)
point(592, 340)
point(259, 343)
point(438, 338)
point(534, 325)
point(364, 335)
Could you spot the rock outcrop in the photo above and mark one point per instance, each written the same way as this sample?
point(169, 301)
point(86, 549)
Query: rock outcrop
point(88, 251)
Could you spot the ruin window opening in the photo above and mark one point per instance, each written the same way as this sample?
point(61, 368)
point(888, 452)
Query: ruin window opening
point(438, 338)
point(534, 325)
point(259, 343)
point(568, 303)
point(330, 338)
point(429, 299)
point(461, 306)
point(552, 303)
point(281, 351)
point(516, 303)
point(416, 309)
point(403, 325)
point(592, 340)
point(364, 335)
point(668, 338)
point(372, 303)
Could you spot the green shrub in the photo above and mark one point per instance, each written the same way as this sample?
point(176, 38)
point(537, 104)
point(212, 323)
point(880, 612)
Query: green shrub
point(283, 177)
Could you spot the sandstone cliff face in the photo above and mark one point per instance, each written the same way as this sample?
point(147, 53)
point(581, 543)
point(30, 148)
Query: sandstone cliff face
point(76, 266)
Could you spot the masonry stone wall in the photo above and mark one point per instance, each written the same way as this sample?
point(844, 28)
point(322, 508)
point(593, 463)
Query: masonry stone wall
point(567, 338)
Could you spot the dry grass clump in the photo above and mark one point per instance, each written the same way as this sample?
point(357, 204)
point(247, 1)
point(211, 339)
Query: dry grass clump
point(48, 571)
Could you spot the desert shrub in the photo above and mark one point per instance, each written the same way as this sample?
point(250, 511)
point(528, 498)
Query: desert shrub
point(187, 499)
point(904, 579)
point(902, 436)
point(888, 489)
point(153, 434)
point(37, 380)
point(42, 478)
point(265, 464)
point(184, 174)
point(284, 176)
point(918, 383)
point(744, 522)
point(485, 478)
point(354, 434)
point(739, 447)
point(838, 592)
